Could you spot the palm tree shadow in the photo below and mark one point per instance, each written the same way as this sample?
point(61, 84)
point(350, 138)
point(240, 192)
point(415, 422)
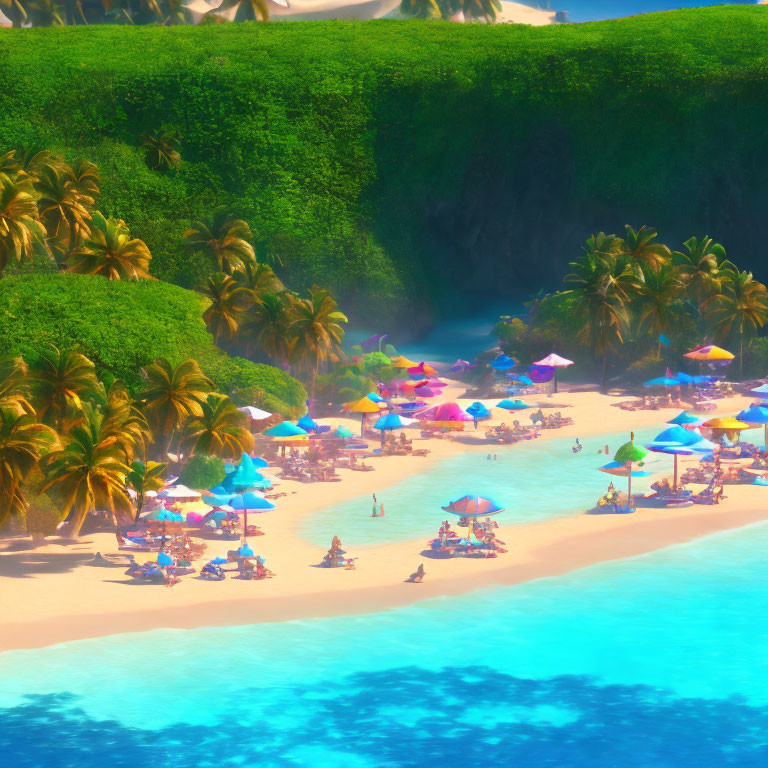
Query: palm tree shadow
point(27, 564)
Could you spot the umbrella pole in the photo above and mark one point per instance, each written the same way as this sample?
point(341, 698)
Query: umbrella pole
point(362, 425)
point(674, 482)
point(554, 378)
point(245, 524)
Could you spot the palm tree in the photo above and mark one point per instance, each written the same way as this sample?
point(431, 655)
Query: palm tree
point(229, 303)
point(701, 268)
point(142, 478)
point(20, 230)
point(64, 208)
point(247, 10)
point(125, 421)
point(162, 150)
point(226, 241)
point(741, 307)
point(220, 430)
point(656, 296)
point(59, 381)
point(258, 279)
point(109, 251)
point(14, 392)
point(641, 250)
point(266, 326)
point(89, 472)
point(601, 289)
point(172, 395)
point(316, 331)
point(23, 442)
point(478, 9)
point(422, 9)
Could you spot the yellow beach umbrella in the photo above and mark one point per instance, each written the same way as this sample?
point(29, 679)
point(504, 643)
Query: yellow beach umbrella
point(363, 406)
point(728, 425)
point(710, 352)
point(403, 362)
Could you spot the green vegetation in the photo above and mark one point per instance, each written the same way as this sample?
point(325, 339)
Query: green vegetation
point(367, 156)
point(203, 471)
point(629, 297)
point(122, 327)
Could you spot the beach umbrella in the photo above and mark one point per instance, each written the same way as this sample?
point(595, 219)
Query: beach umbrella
point(709, 353)
point(726, 425)
point(375, 397)
point(285, 429)
point(502, 363)
point(541, 374)
point(422, 369)
point(756, 414)
point(178, 491)
point(436, 383)
point(424, 392)
point(662, 381)
point(461, 365)
point(683, 418)
point(249, 502)
point(219, 561)
point(390, 422)
point(683, 378)
point(413, 384)
point(245, 475)
point(255, 414)
point(471, 507)
point(363, 406)
point(512, 405)
point(445, 412)
point(402, 362)
point(307, 424)
point(554, 361)
point(478, 412)
point(628, 454)
point(526, 381)
point(164, 559)
point(621, 470)
point(343, 432)
point(762, 390)
point(675, 451)
point(677, 435)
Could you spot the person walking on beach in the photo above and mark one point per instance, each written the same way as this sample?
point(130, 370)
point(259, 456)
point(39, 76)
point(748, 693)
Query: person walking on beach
point(418, 576)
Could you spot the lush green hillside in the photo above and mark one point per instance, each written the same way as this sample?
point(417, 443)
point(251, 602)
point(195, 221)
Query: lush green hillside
point(124, 326)
point(408, 160)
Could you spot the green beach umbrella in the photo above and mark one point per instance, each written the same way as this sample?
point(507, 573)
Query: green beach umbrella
point(628, 454)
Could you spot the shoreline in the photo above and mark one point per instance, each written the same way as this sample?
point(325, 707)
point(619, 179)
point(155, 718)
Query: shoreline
point(54, 597)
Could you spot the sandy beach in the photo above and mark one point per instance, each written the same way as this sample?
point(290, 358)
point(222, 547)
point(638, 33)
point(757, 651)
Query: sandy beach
point(50, 594)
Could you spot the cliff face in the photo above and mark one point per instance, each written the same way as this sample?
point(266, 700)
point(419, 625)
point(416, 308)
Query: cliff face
point(413, 166)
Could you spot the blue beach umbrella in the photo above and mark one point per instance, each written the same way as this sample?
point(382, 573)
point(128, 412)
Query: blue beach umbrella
point(684, 378)
point(512, 405)
point(676, 435)
point(219, 561)
point(620, 470)
point(249, 502)
point(684, 418)
point(662, 381)
point(756, 414)
point(307, 424)
point(503, 363)
point(343, 432)
point(375, 397)
point(478, 411)
point(245, 476)
point(390, 422)
point(285, 429)
point(216, 500)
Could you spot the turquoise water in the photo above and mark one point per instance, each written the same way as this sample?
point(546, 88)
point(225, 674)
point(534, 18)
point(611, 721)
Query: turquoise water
point(594, 10)
point(533, 480)
point(661, 660)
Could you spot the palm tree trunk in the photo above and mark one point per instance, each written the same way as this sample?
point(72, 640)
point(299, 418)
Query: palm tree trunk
point(741, 354)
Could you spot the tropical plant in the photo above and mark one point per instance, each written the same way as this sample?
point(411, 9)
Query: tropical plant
point(258, 279)
point(89, 472)
point(143, 477)
point(110, 251)
point(59, 381)
point(220, 430)
point(601, 288)
point(642, 250)
point(162, 150)
point(740, 308)
point(203, 472)
point(23, 442)
point(656, 295)
point(315, 331)
point(228, 307)
point(64, 206)
point(265, 328)
point(13, 386)
point(20, 231)
point(171, 396)
point(701, 267)
point(226, 241)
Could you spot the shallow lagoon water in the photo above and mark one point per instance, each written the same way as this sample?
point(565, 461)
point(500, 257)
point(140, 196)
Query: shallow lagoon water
point(660, 660)
point(533, 480)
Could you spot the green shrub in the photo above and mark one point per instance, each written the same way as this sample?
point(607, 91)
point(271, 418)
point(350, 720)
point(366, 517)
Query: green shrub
point(202, 472)
point(123, 326)
point(43, 516)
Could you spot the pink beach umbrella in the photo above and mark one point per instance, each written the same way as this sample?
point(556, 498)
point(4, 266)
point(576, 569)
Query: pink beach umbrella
point(436, 383)
point(444, 412)
point(554, 361)
point(424, 392)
